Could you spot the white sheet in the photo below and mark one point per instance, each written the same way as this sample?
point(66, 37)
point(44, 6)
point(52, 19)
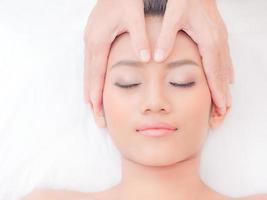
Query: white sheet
point(47, 135)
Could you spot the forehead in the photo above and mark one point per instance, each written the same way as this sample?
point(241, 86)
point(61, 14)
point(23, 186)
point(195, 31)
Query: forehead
point(183, 47)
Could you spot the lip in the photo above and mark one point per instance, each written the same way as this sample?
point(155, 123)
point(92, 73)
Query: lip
point(156, 129)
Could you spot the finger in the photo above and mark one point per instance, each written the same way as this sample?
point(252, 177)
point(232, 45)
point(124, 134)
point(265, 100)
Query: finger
point(219, 93)
point(224, 80)
point(86, 76)
point(232, 73)
point(226, 65)
point(229, 98)
point(94, 77)
point(223, 32)
point(215, 77)
point(230, 65)
point(170, 25)
point(137, 31)
point(225, 51)
point(226, 74)
point(208, 41)
point(96, 44)
point(221, 98)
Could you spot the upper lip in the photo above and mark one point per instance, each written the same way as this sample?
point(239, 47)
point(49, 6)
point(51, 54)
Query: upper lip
point(156, 125)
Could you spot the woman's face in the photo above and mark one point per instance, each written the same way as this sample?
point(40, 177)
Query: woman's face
point(155, 98)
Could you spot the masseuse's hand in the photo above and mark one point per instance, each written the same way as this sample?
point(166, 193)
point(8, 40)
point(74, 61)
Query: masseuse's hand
point(108, 19)
point(200, 19)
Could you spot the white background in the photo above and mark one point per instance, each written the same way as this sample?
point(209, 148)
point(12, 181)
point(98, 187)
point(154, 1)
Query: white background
point(47, 135)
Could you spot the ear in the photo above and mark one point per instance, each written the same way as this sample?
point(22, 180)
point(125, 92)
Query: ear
point(216, 118)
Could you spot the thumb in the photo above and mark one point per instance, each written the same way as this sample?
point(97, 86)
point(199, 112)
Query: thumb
point(172, 22)
point(165, 43)
point(139, 40)
point(166, 38)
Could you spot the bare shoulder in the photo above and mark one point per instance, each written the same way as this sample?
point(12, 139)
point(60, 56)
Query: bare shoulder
point(53, 194)
point(254, 197)
point(219, 196)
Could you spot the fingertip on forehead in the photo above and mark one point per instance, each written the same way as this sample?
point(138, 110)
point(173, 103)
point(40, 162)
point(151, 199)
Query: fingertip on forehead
point(184, 46)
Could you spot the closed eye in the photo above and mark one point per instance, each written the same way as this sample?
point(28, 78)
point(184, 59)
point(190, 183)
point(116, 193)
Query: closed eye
point(189, 84)
point(127, 86)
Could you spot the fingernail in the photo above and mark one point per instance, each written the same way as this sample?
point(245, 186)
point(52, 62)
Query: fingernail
point(158, 55)
point(144, 55)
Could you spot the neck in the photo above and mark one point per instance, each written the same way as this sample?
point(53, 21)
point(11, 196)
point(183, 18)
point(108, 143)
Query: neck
point(178, 181)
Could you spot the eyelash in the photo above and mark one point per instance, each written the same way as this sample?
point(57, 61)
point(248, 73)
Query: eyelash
point(184, 85)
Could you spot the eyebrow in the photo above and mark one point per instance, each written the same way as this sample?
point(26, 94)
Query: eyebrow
point(173, 64)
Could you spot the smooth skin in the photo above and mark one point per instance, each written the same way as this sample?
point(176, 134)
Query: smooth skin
point(162, 168)
point(199, 19)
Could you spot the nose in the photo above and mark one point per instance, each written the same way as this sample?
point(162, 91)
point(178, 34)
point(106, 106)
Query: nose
point(154, 101)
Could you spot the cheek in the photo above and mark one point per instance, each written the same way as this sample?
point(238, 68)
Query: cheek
point(193, 111)
point(118, 109)
point(200, 110)
point(197, 104)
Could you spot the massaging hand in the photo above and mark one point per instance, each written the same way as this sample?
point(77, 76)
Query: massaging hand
point(199, 19)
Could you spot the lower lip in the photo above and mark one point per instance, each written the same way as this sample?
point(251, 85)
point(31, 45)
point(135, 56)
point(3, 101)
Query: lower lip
point(156, 132)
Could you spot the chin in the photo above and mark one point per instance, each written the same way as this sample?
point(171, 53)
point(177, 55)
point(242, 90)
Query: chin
point(155, 160)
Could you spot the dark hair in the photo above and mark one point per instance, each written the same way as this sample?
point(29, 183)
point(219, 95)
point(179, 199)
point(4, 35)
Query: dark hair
point(155, 7)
